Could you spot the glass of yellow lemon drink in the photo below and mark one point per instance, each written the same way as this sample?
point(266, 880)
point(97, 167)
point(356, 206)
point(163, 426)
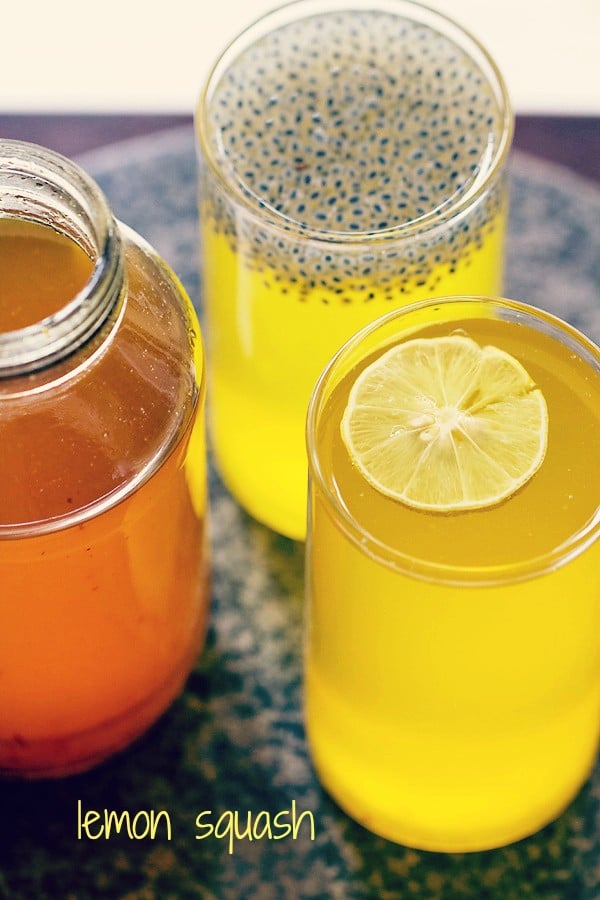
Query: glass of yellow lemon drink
point(352, 159)
point(452, 654)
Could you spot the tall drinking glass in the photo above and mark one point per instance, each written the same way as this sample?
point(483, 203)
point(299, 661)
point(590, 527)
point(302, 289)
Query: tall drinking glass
point(352, 160)
point(453, 572)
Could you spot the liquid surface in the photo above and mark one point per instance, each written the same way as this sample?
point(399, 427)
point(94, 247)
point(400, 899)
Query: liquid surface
point(558, 501)
point(40, 271)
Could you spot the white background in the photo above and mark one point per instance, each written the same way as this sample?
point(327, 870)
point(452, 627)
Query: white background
point(151, 56)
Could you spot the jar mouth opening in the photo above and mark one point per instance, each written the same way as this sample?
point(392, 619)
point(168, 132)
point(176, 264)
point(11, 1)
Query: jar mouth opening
point(402, 561)
point(44, 187)
point(233, 186)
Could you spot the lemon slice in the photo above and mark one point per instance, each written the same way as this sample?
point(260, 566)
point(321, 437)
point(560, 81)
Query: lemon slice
point(444, 424)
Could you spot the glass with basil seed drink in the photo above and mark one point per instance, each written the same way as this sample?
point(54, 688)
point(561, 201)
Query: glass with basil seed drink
point(452, 657)
point(353, 160)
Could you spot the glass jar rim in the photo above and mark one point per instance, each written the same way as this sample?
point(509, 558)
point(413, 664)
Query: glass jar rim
point(27, 168)
point(430, 222)
point(422, 569)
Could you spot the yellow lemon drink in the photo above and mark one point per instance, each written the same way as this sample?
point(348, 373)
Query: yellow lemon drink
point(352, 161)
point(453, 573)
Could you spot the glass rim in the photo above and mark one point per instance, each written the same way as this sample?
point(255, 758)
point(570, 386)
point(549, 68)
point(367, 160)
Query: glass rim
point(52, 338)
point(425, 224)
point(403, 562)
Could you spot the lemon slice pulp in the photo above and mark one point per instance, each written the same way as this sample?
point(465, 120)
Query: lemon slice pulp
point(445, 424)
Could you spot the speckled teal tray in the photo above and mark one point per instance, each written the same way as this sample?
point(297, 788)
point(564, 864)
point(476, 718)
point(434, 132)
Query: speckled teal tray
point(234, 740)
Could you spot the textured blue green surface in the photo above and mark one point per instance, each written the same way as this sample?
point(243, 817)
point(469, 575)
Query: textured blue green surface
point(235, 740)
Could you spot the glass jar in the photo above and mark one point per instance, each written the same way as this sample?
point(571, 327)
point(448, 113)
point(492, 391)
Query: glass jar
point(103, 547)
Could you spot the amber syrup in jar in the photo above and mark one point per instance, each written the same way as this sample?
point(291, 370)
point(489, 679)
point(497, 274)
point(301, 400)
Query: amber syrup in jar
point(103, 549)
